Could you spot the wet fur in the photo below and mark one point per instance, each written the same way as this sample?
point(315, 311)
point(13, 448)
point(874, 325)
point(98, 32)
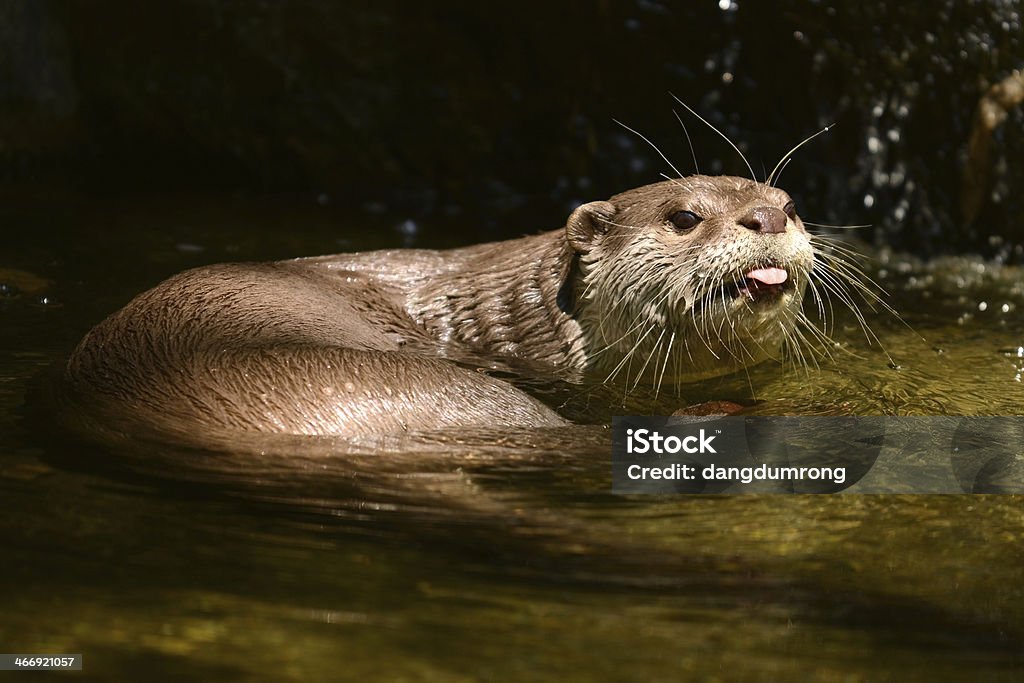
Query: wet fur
point(359, 344)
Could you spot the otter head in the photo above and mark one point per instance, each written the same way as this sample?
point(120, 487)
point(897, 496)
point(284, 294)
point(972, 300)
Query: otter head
point(689, 278)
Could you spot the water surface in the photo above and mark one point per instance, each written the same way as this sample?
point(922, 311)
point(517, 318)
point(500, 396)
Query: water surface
point(500, 559)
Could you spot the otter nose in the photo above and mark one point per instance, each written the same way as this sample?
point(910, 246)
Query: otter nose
point(765, 219)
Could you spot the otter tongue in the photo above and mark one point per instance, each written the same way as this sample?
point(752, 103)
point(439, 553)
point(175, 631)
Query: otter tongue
point(768, 276)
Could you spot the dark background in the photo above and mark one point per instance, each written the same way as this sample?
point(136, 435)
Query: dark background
point(504, 112)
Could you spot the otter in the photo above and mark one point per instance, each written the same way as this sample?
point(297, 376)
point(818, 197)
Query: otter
point(686, 279)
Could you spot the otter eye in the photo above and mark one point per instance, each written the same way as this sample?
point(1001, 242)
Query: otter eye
point(790, 210)
point(684, 220)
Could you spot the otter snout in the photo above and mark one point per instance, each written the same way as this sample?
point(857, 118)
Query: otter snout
point(766, 219)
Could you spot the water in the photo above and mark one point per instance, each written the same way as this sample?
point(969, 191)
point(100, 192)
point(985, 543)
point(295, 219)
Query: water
point(504, 560)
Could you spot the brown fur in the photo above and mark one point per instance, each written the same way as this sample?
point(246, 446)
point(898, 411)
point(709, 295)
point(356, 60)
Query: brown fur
point(356, 344)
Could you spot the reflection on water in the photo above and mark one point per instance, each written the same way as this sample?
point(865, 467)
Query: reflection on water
point(497, 556)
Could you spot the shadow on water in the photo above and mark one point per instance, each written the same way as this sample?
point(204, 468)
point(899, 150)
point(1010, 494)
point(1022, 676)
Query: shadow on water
point(513, 521)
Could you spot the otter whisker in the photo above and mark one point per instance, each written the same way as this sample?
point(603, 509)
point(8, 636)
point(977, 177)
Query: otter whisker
point(677, 358)
point(852, 279)
point(816, 295)
point(728, 344)
point(629, 355)
point(849, 283)
point(725, 307)
point(825, 342)
point(804, 350)
point(837, 286)
point(704, 333)
point(836, 227)
point(635, 323)
point(689, 354)
point(800, 341)
point(613, 311)
point(791, 338)
point(643, 310)
point(696, 166)
point(668, 354)
point(724, 136)
point(856, 278)
point(833, 254)
point(791, 346)
point(834, 243)
point(633, 295)
point(632, 354)
point(657, 346)
point(759, 345)
point(783, 169)
point(819, 334)
point(834, 251)
point(653, 146)
point(798, 146)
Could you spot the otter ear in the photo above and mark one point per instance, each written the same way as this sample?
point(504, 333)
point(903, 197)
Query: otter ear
point(587, 223)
